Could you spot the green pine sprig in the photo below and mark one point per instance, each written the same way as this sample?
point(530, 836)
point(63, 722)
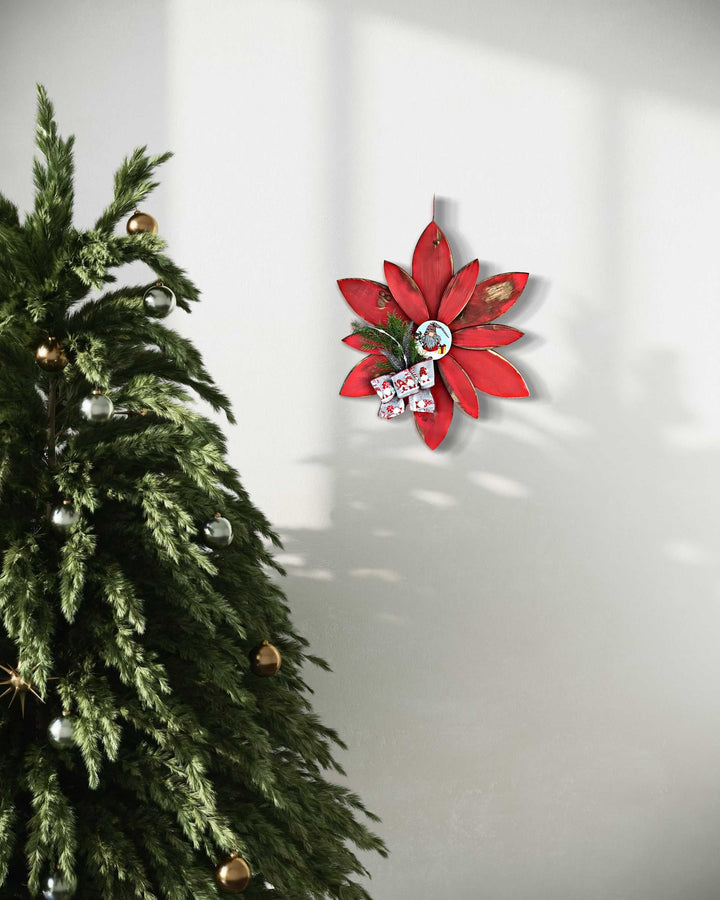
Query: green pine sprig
point(395, 341)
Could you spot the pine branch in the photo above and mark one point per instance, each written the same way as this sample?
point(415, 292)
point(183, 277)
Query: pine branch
point(133, 183)
point(17, 265)
point(52, 215)
point(394, 341)
point(26, 614)
point(8, 822)
point(8, 213)
point(144, 248)
point(51, 838)
point(74, 556)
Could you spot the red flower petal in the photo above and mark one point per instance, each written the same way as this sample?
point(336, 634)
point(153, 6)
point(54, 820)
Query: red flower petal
point(491, 373)
point(433, 428)
point(371, 300)
point(491, 298)
point(482, 336)
point(432, 267)
point(407, 293)
point(459, 384)
point(357, 342)
point(357, 383)
point(458, 292)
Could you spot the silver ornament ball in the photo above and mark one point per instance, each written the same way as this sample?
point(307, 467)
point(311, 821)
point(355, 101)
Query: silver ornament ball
point(63, 517)
point(97, 408)
point(218, 532)
point(61, 731)
point(159, 301)
point(57, 887)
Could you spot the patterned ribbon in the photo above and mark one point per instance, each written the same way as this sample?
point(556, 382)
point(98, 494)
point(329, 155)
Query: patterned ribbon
point(413, 383)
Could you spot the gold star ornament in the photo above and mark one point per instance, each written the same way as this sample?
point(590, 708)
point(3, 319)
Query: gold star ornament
point(18, 686)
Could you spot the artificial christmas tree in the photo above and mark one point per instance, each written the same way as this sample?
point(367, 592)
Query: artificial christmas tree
point(151, 748)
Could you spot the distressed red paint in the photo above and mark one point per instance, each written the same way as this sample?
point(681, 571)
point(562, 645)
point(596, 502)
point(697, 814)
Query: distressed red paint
point(467, 308)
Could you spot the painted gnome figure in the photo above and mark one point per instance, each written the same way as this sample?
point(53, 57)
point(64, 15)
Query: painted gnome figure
point(430, 338)
point(157, 738)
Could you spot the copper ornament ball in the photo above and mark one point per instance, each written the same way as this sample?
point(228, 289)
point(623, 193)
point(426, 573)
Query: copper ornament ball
point(233, 876)
point(139, 222)
point(265, 660)
point(50, 355)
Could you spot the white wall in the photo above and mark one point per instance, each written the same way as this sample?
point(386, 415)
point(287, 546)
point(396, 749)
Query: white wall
point(523, 624)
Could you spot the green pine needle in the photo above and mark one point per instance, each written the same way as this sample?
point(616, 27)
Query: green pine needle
point(395, 341)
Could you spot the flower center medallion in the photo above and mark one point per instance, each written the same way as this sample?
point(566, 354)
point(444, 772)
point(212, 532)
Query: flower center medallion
point(433, 339)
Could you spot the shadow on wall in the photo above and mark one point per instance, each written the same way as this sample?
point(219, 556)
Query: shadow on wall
point(526, 732)
point(671, 47)
point(554, 731)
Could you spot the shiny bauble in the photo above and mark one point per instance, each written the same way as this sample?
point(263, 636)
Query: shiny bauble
point(50, 355)
point(57, 887)
point(63, 517)
point(97, 408)
point(141, 222)
point(159, 301)
point(218, 532)
point(265, 660)
point(233, 876)
point(61, 731)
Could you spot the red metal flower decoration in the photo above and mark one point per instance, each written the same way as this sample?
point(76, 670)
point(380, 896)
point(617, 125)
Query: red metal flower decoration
point(434, 294)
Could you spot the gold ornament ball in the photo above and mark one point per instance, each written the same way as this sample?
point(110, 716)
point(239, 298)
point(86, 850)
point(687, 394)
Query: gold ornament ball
point(50, 355)
point(233, 876)
point(265, 660)
point(140, 221)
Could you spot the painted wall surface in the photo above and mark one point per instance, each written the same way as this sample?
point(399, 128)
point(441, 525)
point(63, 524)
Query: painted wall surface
point(524, 624)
